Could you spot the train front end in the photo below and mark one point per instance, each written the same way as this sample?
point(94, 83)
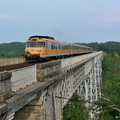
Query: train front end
point(34, 48)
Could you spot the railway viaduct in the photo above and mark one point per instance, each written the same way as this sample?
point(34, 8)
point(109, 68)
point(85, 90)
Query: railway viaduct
point(37, 92)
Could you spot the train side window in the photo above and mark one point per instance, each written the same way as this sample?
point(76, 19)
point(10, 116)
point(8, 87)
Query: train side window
point(49, 45)
point(59, 46)
point(52, 46)
point(62, 47)
point(46, 44)
point(56, 46)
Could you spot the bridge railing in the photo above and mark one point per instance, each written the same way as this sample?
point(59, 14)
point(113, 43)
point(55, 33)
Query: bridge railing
point(11, 61)
point(23, 77)
point(73, 60)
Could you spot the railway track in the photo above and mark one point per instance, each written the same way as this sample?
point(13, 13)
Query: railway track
point(15, 66)
point(20, 65)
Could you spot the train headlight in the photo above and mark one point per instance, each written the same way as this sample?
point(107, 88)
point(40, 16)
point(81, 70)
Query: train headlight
point(27, 52)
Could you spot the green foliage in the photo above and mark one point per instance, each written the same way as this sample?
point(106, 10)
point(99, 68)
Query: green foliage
point(75, 110)
point(110, 47)
point(47, 79)
point(14, 49)
point(111, 87)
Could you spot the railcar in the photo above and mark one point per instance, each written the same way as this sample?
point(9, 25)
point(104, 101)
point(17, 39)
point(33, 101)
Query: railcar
point(40, 47)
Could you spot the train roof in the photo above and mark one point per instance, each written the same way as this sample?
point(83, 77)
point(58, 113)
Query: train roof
point(40, 37)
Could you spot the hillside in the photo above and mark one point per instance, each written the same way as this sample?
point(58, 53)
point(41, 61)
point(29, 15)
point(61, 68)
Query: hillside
point(111, 47)
point(14, 49)
point(110, 88)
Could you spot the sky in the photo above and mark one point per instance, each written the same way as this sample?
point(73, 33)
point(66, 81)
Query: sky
point(82, 21)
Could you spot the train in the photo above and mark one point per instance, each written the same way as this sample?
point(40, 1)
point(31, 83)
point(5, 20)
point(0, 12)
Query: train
point(42, 47)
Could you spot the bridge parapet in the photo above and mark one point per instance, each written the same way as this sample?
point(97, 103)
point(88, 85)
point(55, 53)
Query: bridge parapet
point(23, 77)
point(5, 90)
point(48, 70)
point(5, 85)
point(80, 59)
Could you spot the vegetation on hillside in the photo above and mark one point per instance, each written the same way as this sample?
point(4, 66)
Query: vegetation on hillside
point(110, 47)
point(75, 110)
point(14, 49)
point(111, 88)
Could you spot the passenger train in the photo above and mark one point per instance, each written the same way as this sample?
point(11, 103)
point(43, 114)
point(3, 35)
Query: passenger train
point(40, 47)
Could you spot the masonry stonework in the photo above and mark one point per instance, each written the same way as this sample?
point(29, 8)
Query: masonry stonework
point(48, 70)
point(5, 86)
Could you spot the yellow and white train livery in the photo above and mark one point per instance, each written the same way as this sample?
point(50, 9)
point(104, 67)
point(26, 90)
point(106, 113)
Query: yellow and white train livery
point(39, 47)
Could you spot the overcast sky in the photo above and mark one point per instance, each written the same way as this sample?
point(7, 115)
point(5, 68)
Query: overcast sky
point(66, 20)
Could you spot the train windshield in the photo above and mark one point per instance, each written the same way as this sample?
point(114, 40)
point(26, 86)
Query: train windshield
point(35, 44)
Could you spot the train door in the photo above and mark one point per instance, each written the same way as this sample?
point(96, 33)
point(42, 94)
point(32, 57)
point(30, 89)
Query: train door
point(57, 48)
point(69, 49)
point(53, 49)
point(46, 47)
